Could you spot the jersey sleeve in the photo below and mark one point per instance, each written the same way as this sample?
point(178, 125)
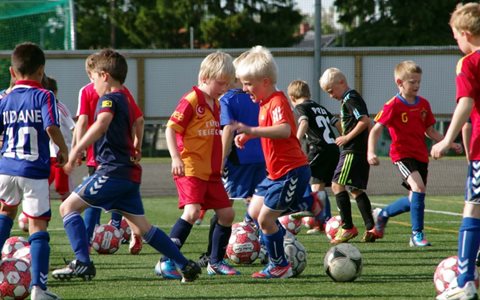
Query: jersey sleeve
point(358, 107)
point(83, 98)
point(300, 113)
point(430, 118)
point(226, 114)
point(137, 112)
point(279, 111)
point(466, 83)
point(49, 110)
point(105, 104)
point(181, 116)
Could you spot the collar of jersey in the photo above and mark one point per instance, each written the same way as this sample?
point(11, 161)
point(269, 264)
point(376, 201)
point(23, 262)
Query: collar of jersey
point(26, 83)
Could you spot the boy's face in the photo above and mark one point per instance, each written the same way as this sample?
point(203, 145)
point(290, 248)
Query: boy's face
point(216, 87)
point(335, 90)
point(255, 88)
point(462, 42)
point(98, 79)
point(410, 85)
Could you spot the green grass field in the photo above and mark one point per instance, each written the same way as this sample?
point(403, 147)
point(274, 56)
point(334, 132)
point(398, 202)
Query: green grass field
point(391, 269)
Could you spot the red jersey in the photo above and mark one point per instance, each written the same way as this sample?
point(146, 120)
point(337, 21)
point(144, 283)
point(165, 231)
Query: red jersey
point(87, 104)
point(198, 135)
point(281, 155)
point(468, 85)
point(407, 124)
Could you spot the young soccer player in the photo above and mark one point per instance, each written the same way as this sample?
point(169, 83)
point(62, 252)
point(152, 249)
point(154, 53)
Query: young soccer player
point(282, 192)
point(316, 124)
point(409, 119)
point(353, 168)
point(30, 121)
point(63, 182)
point(465, 24)
point(194, 142)
point(87, 103)
point(115, 184)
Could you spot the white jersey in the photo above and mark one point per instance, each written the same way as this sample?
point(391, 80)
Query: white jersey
point(66, 126)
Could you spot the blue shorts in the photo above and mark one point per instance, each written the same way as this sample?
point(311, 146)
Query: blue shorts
point(472, 187)
point(286, 194)
point(240, 181)
point(111, 194)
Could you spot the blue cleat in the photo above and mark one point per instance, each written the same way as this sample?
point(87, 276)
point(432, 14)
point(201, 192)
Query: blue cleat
point(167, 270)
point(221, 268)
point(418, 240)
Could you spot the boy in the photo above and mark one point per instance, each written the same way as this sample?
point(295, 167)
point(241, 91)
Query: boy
point(315, 124)
point(63, 182)
point(194, 142)
point(287, 166)
point(87, 104)
point(465, 24)
point(353, 168)
point(115, 185)
point(30, 120)
point(409, 119)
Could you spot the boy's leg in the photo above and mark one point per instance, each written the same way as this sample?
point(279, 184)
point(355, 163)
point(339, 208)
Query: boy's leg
point(40, 255)
point(92, 219)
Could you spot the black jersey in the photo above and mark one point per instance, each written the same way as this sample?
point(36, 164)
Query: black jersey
point(353, 109)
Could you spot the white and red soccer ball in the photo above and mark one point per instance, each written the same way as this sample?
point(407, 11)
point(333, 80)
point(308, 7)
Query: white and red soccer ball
point(23, 222)
point(15, 278)
point(290, 224)
point(12, 245)
point(125, 230)
point(106, 239)
point(243, 246)
point(332, 226)
point(446, 273)
point(309, 222)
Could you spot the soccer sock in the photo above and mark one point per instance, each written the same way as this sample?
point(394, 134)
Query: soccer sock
point(417, 211)
point(400, 206)
point(92, 218)
point(6, 224)
point(345, 207)
point(326, 212)
point(365, 207)
point(156, 238)
point(116, 220)
point(40, 254)
point(77, 235)
point(220, 237)
point(213, 223)
point(276, 252)
point(179, 233)
point(468, 244)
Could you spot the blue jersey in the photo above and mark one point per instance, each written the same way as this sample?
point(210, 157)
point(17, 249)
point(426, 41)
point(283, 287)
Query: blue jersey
point(114, 151)
point(26, 112)
point(236, 105)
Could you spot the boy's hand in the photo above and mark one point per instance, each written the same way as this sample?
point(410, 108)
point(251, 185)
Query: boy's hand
point(373, 159)
point(457, 148)
point(439, 149)
point(240, 140)
point(62, 157)
point(341, 140)
point(178, 168)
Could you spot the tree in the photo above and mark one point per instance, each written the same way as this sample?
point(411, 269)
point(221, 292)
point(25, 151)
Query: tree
point(396, 22)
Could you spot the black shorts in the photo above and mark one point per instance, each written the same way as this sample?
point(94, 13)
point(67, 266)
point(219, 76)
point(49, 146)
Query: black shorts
point(352, 170)
point(407, 166)
point(323, 162)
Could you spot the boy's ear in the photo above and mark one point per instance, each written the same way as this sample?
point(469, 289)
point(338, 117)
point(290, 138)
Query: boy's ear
point(398, 81)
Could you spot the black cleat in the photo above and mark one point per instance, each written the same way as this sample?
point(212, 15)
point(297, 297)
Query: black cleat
point(190, 272)
point(75, 268)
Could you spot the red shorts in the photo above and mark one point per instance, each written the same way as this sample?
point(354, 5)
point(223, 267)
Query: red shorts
point(62, 180)
point(209, 194)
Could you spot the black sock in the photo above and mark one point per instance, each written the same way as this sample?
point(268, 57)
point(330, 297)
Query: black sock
point(365, 207)
point(345, 207)
point(213, 222)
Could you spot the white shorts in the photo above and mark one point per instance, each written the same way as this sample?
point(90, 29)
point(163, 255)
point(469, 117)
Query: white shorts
point(34, 193)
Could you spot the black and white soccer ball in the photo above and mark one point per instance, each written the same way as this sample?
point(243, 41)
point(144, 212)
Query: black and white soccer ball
point(343, 263)
point(295, 253)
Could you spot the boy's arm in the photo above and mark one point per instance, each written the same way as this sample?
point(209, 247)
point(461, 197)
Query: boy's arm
point(279, 131)
point(460, 116)
point(57, 138)
point(466, 135)
point(178, 168)
point(302, 129)
point(139, 126)
point(362, 125)
point(227, 138)
point(436, 136)
point(373, 138)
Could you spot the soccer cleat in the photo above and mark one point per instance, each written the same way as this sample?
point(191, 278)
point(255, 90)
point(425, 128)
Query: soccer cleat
point(39, 294)
point(369, 236)
point(75, 268)
point(203, 260)
point(418, 240)
point(135, 245)
point(272, 271)
point(454, 292)
point(167, 270)
point(190, 272)
point(221, 268)
point(344, 235)
point(380, 222)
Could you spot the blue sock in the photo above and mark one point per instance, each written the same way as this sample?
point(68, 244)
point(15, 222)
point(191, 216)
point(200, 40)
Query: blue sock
point(40, 253)
point(92, 219)
point(220, 237)
point(400, 206)
point(179, 233)
point(116, 220)
point(156, 238)
point(276, 252)
point(77, 235)
point(326, 212)
point(468, 244)
point(5, 228)
point(417, 211)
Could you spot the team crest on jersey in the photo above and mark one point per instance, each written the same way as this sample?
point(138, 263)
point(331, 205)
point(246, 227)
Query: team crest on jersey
point(107, 103)
point(200, 111)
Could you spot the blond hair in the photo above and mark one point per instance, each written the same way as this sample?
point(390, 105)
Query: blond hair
point(405, 68)
point(299, 89)
point(217, 65)
point(466, 18)
point(257, 63)
point(331, 76)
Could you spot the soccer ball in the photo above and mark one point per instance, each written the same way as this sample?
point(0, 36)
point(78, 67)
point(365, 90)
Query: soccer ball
point(106, 239)
point(332, 226)
point(15, 279)
point(296, 254)
point(23, 253)
point(248, 227)
point(291, 224)
point(243, 246)
point(23, 222)
point(12, 245)
point(308, 222)
point(125, 230)
point(446, 274)
point(343, 263)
